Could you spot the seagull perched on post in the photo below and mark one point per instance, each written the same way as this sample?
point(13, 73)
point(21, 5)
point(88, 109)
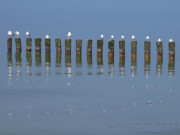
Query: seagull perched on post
point(69, 34)
point(47, 37)
point(133, 37)
point(112, 37)
point(10, 33)
point(122, 37)
point(27, 33)
point(17, 33)
point(170, 40)
point(102, 36)
point(159, 40)
point(147, 37)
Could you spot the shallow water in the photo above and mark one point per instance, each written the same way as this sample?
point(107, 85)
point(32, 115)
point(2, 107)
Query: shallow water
point(40, 94)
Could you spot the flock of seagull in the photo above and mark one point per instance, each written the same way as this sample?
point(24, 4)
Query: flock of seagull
point(10, 33)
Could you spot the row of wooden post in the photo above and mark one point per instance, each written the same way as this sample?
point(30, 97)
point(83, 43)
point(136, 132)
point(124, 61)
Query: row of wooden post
point(147, 47)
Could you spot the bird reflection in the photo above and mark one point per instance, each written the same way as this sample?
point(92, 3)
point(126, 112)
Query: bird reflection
point(58, 63)
point(100, 67)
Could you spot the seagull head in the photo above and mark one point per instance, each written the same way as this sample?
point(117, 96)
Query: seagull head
point(69, 34)
point(112, 36)
point(10, 33)
point(133, 37)
point(122, 37)
point(27, 33)
point(170, 40)
point(17, 33)
point(159, 40)
point(47, 37)
point(102, 36)
point(147, 37)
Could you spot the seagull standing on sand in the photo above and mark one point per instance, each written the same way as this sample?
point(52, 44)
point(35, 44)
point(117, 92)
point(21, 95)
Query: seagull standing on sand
point(102, 36)
point(170, 40)
point(47, 37)
point(159, 40)
point(147, 37)
point(17, 33)
point(69, 34)
point(27, 33)
point(10, 33)
point(112, 37)
point(122, 37)
point(133, 37)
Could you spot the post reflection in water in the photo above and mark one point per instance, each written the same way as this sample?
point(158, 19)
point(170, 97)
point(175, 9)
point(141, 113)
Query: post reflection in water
point(133, 58)
point(147, 57)
point(89, 64)
point(68, 64)
point(10, 68)
point(28, 63)
point(47, 63)
point(100, 68)
point(18, 63)
point(159, 65)
point(58, 63)
point(38, 63)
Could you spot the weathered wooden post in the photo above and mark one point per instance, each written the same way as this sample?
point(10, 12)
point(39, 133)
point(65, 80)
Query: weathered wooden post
point(133, 57)
point(147, 51)
point(89, 47)
point(38, 59)
point(111, 52)
point(159, 57)
point(48, 45)
point(171, 65)
point(100, 47)
point(68, 59)
point(122, 57)
point(18, 44)
point(9, 44)
point(18, 59)
point(28, 59)
point(28, 44)
point(58, 45)
point(9, 58)
point(68, 46)
point(58, 59)
point(38, 45)
point(78, 46)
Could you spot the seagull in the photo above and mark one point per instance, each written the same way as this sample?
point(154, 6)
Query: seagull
point(102, 36)
point(112, 36)
point(47, 36)
point(147, 37)
point(170, 40)
point(27, 33)
point(10, 33)
point(17, 33)
point(69, 34)
point(133, 37)
point(122, 37)
point(159, 40)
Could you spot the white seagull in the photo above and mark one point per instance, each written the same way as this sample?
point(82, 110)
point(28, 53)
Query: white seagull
point(47, 37)
point(122, 37)
point(170, 40)
point(112, 36)
point(27, 33)
point(147, 37)
point(133, 37)
point(17, 33)
point(159, 40)
point(10, 33)
point(69, 34)
point(102, 36)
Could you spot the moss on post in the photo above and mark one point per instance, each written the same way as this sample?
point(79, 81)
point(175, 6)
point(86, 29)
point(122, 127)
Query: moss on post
point(100, 47)
point(18, 44)
point(171, 51)
point(58, 45)
point(9, 44)
point(48, 45)
point(78, 46)
point(159, 47)
point(38, 44)
point(68, 46)
point(28, 44)
point(89, 47)
point(122, 47)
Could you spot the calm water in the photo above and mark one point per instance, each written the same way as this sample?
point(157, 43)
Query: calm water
point(42, 94)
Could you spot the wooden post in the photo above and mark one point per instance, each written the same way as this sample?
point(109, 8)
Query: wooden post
point(28, 44)
point(48, 45)
point(122, 57)
point(58, 45)
point(159, 64)
point(9, 58)
point(133, 58)
point(18, 44)
point(78, 60)
point(48, 59)
point(89, 47)
point(159, 49)
point(9, 44)
point(147, 50)
point(89, 59)
point(111, 52)
point(68, 46)
point(28, 59)
point(58, 59)
point(68, 59)
point(172, 51)
point(18, 59)
point(38, 44)
point(99, 47)
point(38, 59)
point(78, 46)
